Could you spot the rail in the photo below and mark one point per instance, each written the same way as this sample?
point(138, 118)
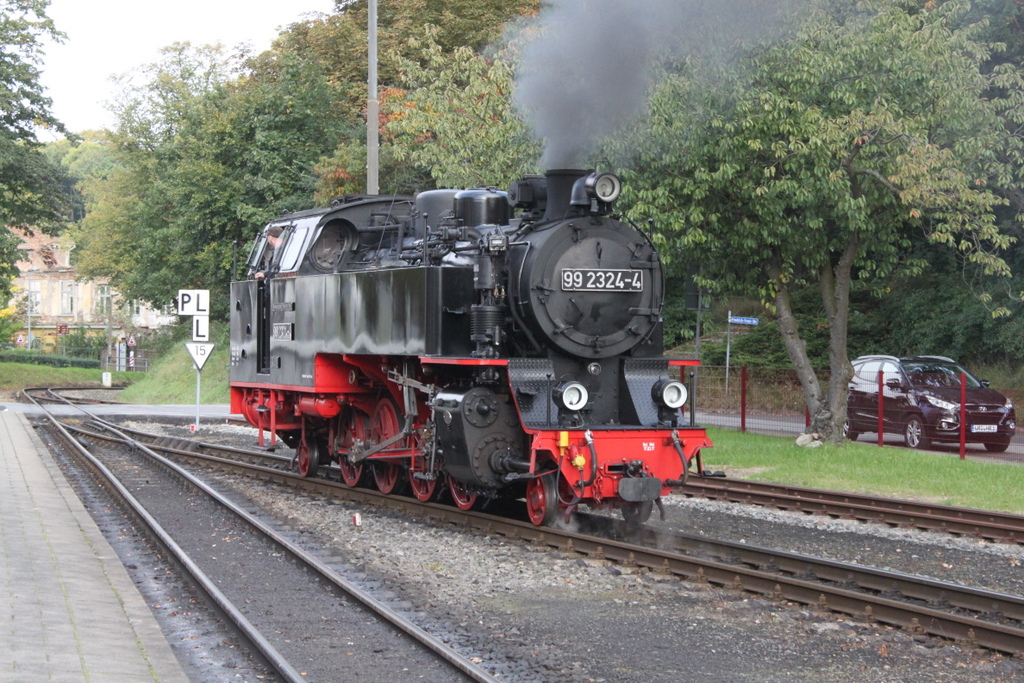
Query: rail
point(258, 640)
point(949, 611)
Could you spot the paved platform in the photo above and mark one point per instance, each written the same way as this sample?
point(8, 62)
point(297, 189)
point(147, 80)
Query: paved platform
point(68, 609)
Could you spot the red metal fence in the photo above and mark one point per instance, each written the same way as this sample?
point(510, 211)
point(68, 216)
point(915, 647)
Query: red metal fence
point(771, 401)
point(760, 400)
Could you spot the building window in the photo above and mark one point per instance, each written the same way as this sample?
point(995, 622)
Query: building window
point(34, 297)
point(67, 297)
point(104, 300)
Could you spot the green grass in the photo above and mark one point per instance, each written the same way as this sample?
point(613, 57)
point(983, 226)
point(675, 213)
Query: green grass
point(172, 379)
point(863, 468)
point(17, 376)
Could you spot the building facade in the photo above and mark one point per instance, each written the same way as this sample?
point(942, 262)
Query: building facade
point(53, 300)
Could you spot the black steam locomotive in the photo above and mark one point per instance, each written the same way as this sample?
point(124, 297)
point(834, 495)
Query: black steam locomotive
point(438, 342)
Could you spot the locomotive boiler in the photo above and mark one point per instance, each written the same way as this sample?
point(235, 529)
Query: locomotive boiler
point(476, 342)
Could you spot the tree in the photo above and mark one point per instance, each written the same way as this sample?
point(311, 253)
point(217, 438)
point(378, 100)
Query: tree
point(203, 160)
point(818, 161)
point(30, 186)
point(456, 119)
point(338, 42)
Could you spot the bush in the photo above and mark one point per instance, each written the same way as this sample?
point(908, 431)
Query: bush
point(50, 360)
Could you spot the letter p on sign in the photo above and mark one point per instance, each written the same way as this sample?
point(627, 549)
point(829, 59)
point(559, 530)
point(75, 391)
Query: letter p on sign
point(193, 302)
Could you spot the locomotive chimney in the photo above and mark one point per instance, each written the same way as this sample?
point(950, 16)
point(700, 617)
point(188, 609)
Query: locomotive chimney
point(559, 191)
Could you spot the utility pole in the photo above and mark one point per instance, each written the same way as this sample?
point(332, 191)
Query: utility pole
point(372, 107)
point(30, 306)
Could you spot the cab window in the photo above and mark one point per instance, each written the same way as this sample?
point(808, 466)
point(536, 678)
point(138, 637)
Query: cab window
point(293, 249)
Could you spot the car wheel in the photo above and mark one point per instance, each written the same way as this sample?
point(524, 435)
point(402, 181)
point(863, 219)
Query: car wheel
point(849, 433)
point(998, 445)
point(914, 435)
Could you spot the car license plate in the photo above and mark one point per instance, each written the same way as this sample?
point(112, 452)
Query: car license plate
point(602, 280)
point(984, 428)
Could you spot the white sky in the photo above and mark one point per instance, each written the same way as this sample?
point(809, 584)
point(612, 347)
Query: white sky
point(109, 37)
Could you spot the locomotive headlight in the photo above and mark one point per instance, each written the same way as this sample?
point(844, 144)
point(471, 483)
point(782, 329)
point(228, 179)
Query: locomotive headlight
point(605, 187)
point(670, 393)
point(573, 395)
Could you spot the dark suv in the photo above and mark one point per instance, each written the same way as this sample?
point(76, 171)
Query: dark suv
point(922, 402)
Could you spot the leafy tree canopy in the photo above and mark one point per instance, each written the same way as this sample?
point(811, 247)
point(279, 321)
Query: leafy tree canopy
point(818, 162)
point(456, 119)
point(30, 186)
point(208, 148)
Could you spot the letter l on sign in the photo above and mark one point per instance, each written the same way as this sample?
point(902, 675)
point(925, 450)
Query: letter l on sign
point(200, 328)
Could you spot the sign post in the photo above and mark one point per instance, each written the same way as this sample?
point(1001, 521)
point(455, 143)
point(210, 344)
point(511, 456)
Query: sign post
point(733, 320)
point(200, 354)
point(196, 303)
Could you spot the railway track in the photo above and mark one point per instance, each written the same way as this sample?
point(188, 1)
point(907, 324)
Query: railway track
point(969, 616)
point(993, 526)
point(302, 580)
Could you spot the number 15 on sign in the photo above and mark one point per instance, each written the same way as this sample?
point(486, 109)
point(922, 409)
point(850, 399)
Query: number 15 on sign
point(200, 353)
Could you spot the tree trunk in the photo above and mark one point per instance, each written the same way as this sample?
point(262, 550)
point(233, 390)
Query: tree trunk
point(796, 347)
point(835, 295)
point(828, 413)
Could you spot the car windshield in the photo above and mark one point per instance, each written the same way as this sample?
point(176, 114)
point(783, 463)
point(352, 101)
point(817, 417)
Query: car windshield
point(938, 374)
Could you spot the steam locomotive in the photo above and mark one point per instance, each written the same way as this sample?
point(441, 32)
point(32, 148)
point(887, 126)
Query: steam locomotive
point(440, 343)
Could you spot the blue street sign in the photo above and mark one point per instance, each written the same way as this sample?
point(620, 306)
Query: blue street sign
point(736, 320)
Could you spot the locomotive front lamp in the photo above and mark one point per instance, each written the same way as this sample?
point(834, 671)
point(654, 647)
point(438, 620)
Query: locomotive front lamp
point(670, 393)
point(573, 395)
point(605, 187)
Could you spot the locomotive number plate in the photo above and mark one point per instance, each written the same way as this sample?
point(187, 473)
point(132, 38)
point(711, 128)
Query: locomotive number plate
point(602, 280)
point(284, 332)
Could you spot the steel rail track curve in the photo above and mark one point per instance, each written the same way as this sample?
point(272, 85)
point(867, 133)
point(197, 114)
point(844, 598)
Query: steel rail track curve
point(289, 673)
point(918, 604)
point(993, 526)
point(256, 639)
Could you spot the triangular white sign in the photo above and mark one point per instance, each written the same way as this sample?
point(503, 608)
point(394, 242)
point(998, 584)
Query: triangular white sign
point(200, 352)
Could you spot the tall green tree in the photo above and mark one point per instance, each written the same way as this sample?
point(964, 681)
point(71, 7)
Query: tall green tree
point(30, 185)
point(208, 149)
point(128, 234)
point(818, 162)
point(456, 120)
point(338, 42)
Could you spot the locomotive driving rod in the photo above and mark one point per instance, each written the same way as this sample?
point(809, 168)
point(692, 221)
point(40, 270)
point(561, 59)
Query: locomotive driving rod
point(363, 455)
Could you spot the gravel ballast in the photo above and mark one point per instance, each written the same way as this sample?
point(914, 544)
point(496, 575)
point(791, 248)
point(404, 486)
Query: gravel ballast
point(545, 615)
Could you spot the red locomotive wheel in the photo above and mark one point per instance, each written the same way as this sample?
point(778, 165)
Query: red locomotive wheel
point(423, 489)
point(308, 455)
point(350, 474)
point(387, 475)
point(356, 431)
point(542, 499)
point(464, 500)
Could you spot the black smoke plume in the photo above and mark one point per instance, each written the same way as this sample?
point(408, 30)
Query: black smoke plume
point(589, 69)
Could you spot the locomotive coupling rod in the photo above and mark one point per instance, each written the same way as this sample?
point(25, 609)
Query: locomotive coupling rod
point(407, 431)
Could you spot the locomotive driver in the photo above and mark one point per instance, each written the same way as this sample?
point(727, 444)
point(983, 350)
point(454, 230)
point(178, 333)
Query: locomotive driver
point(273, 242)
